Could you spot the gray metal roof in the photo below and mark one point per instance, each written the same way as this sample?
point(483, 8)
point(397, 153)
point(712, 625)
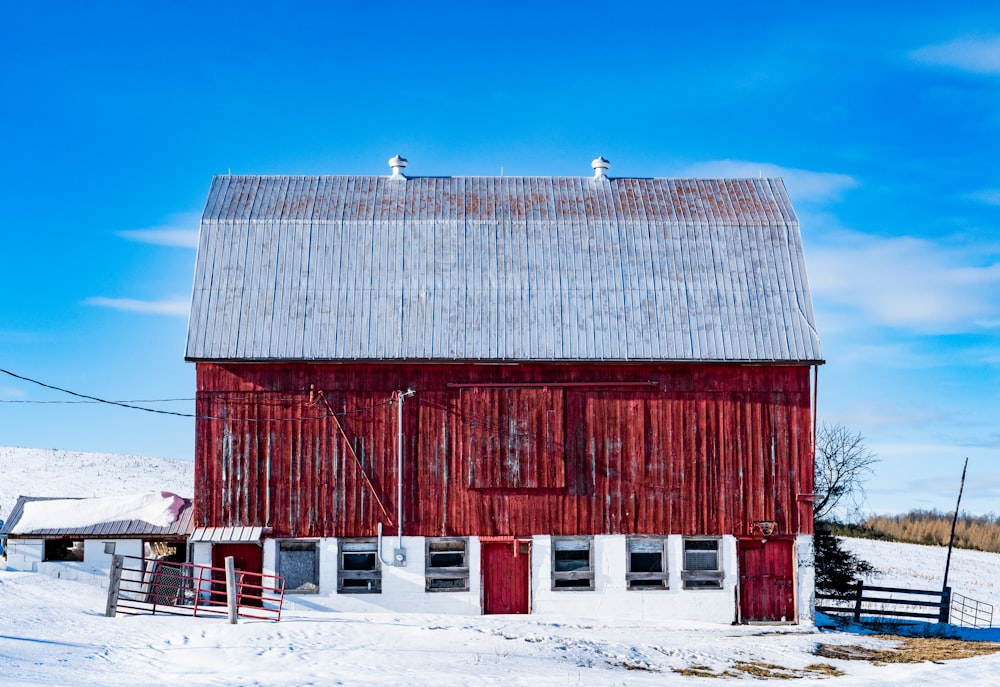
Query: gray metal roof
point(500, 268)
point(226, 535)
point(119, 529)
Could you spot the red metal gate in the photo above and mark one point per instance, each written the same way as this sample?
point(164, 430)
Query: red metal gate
point(506, 572)
point(141, 586)
point(767, 580)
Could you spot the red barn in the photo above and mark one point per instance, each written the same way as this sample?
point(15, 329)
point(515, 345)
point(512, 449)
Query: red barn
point(582, 395)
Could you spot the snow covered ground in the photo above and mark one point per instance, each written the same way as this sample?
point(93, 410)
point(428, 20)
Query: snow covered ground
point(54, 632)
point(47, 472)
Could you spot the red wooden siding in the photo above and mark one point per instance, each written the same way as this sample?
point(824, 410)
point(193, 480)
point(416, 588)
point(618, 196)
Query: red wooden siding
point(512, 437)
point(582, 449)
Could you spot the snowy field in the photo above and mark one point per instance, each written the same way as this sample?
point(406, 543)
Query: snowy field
point(53, 632)
point(46, 472)
point(972, 573)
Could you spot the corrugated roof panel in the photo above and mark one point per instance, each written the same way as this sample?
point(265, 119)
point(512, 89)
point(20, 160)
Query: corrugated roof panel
point(526, 268)
point(119, 529)
point(226, 535)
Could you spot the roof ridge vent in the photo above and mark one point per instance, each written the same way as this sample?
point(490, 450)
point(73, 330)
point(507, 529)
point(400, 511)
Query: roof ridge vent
point(600, 166)
point(398, 164)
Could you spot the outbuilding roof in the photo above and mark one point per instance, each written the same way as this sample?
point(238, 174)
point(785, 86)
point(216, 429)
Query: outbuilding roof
point(333, 268)
point(118, 529)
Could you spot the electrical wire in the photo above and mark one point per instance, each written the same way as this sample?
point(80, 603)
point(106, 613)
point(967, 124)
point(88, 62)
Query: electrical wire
point(136, 400)
point(130, 405)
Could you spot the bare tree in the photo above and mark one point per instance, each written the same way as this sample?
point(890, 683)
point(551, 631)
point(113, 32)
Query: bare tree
point(843, 463)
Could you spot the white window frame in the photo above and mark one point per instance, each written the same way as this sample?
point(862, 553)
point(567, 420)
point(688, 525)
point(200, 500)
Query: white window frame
point(577, 579)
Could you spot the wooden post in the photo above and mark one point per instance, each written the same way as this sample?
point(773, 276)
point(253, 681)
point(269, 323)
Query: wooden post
point(954, 520)
point(114, 584)
point(231, 590)
point(857, 603)
point(945, 616)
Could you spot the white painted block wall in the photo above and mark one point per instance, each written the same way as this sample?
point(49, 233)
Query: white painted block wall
point(612, 599)
point(403, 588)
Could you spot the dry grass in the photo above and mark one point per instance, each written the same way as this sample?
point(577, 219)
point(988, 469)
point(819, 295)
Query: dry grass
point(905, 650)
point(909, 650)
point(932, 527)
point(697, 671)
point(761, 670)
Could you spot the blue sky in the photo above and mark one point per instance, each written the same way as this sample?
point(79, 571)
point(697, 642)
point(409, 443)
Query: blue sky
point(883, 119)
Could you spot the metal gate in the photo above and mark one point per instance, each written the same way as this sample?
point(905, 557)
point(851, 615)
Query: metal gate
point(150, 586)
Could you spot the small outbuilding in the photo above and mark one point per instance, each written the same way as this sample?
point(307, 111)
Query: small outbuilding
point(75, 538)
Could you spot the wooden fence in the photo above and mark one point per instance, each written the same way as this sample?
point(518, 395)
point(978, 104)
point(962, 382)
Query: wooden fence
point(868, 601)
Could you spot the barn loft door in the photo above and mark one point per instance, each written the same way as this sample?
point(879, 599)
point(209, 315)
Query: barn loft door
point(767, 581)
point(506, 567)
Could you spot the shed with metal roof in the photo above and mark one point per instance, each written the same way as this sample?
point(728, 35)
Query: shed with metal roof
point(84, 552)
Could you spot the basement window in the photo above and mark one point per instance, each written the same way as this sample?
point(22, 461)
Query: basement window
point(63, 550)
point(358, 571)
point(647, 563)
point(572, 563)
point(298, 563)
point(446, 564)
point(702, 563)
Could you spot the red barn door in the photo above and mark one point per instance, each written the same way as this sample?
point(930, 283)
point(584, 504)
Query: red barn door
point(246, 558)
point(506, 570)
point(767, 580)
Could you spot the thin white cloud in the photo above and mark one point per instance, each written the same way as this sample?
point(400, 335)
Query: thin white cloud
point(181, 238)
point(979, 55)
point(907, 283)
point(181, 231)
point(12, 392)
point(803, 185)
point(990, 196)
point(176, 307)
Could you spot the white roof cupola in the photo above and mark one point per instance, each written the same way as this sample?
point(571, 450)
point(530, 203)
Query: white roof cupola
point(397, 164)
point(600, 166)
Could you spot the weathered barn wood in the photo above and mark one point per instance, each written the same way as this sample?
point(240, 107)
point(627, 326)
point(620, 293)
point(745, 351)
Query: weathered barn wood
point(505, 449)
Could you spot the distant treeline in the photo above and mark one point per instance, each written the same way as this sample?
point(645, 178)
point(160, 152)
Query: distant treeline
point(929, 527)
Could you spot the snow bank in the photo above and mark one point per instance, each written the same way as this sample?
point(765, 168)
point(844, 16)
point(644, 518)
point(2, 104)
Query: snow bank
point(158, 508)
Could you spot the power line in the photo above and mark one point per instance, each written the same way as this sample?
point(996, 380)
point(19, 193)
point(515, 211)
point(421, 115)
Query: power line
point(136, 400)
point(129, 404)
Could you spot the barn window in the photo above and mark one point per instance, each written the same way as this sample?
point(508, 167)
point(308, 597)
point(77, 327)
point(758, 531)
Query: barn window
point(63, 550)
point(572, 563)
point(702, 564)
point(358, 571)
point(647, 563)
point(447, 565)
point(298, 563)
